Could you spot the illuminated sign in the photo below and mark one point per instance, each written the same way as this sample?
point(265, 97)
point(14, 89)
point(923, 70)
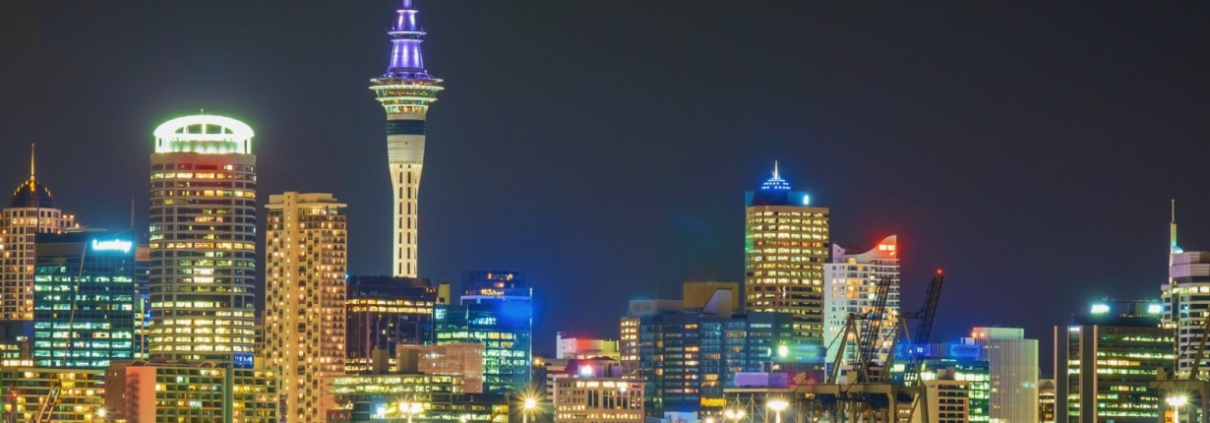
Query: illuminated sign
point(1100, 308)
point(112, 245)
point(1155, 308)
point(713, 402)
point(243, 361)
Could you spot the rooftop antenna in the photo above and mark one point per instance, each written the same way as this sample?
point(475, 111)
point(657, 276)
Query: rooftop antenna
point(776, 174)
point(31, 161)
point(1172, 248)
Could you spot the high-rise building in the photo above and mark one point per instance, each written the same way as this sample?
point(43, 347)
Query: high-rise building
point(948, 400)
point(31, 211)
point(785, 248)
point(84, 298)
point(142, 307)
point(203, 240)
point(1013, 365)
point(506, 330)
point(141, 392)
point(1186, 300)
point(383, 312)
point(26, 389)
point(850, 284)
point(406, 90)
point(960, 362)
point(628, 341)
point(1046, 401)
point(306, 255)
point(1107, 359)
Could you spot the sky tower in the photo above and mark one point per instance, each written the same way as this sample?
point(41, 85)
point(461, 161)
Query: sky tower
point(406, 91)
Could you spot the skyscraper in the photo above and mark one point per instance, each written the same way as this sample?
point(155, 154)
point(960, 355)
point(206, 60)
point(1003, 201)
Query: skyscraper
point(850, 283)
point(497, 310)
point(405, 91)
point(1186, 300)
point(84, 299)
point(31, 211)
point(203, 240)
point(1013, 364)
point(306, 247)
point(383, 312)
point(785, 248)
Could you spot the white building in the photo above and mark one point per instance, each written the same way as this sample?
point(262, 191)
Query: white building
point(850, 283)
point(1186, 299)
point(1013, 366)
point(598, 400)
point(946, 401)
point(306, 246)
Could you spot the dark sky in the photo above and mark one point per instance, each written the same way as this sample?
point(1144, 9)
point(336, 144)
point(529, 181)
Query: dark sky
point(604, 147)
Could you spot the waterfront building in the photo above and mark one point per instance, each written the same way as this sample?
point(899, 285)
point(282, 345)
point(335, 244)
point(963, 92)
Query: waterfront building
point(203, 240)
point(1107, 359)
point(405, 91)
point(851, 282)
point(785, 249)
point(383, 312)
point(142, 392)
point(84, 300)
point(1013, 365)
point(306, 250)
point(30, 212)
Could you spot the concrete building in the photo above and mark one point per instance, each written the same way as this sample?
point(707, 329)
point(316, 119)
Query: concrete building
point(628, 341)
point(575, 347)
point(406, 90)
point(306, 256)
point(461, 360)
point(850, 282)
point(1107, 359)
point(203, 240)
point(25, 389)
point(1046, 401)
point(405, 394)
point(1013, 365)
point(946, 400)
point(143, 392)
point(383, 312)
point(84, 300)
point(785, 248)
point(587, 399)
point(30, 212)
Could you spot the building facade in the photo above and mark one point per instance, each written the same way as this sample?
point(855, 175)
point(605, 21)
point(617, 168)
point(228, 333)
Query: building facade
point(785, 249)
point(462, 360)
point(406, 90)
point(383, 312)
point(850, 282)
point(589, 399)
point(573, 347)
point(1013, 365)
point(1186, 302)
point(377, 398)
point(505, 328)
point(142, 392)
point(203, 240)
point(306, 255)
point(84, 300)
point(30, 212)
point(1107, 360)
point(26, 389)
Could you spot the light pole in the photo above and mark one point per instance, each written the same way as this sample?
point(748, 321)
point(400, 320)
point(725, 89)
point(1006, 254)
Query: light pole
point(735, 415)
point(1176, 403)
point(410, 409)
point(777, 405)
point(530, 404)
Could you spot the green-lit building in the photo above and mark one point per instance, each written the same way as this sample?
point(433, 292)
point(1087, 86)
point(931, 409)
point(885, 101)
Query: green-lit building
point(391, 398)
point(84, 293)
point(959, 362)
point(1105, 361)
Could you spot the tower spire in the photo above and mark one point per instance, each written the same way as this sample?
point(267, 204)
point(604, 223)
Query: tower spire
point(1173, 248)
point(776, 174)
point(31, 161)
point(407, 61)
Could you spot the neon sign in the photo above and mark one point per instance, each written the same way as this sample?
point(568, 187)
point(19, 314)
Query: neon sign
point(112, 245)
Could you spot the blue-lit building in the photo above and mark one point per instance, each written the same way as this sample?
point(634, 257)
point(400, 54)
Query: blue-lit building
point(84, 293)
point(496, 311)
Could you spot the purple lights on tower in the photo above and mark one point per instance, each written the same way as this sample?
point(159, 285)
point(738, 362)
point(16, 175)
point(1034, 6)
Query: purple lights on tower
point(407, 62)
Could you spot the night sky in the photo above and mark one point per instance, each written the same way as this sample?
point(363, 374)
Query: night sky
point(604, 147)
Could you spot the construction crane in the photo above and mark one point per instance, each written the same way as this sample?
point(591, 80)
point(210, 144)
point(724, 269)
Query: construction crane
point(924, 327)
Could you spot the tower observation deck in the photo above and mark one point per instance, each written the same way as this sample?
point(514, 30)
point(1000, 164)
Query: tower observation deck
point(405, 91)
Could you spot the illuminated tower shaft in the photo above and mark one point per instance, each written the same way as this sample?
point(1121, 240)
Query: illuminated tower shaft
point(406, 91)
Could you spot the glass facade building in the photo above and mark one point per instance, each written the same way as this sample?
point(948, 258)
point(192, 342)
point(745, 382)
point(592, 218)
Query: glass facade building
point(84, 300)
point(1013, 367)
point(786, 245)
point(1106, 360)
point(383, 312)
point(505, 328)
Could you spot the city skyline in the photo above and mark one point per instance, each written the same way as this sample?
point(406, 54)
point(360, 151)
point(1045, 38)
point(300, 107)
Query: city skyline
point(1026, 188)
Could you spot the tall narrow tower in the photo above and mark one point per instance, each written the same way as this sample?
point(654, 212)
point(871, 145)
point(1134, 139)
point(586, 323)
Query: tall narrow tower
point(406, 91)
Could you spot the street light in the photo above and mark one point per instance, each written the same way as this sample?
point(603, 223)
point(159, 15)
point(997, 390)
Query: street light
point(1176, 403)
point(530, 404)
point(735, 415)
point(777, 405)
point(410, 409)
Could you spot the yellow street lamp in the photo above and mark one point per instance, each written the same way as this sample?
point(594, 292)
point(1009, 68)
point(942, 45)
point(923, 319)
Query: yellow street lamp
point(777, 405)
point(530, 404)
point(735, 415)
point(1176, 402)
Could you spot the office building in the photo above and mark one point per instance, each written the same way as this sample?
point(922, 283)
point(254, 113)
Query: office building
point(959, 362)
point(203, 240)
point(1107, 359)
point(587, 399)
point(143, 392)
point(851, 282)
point(698, 294)
point(406, 90)
point(1013, 364)
point(142, 307)
point(576, 347)
point(946, 400)
point(1186, 300)
point(628, 340)
point(383, 312)
point(26, 389)
point(461, 360)
point(505, 329)
point(785, 249)
point(406, 394)
point(1046, 401)
point(306, 249)
point(30, 212)
point(84, 300)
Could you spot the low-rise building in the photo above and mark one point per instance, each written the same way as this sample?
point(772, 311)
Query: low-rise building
point(463, 360)
point(152, 392)
point(80, 396)
point(598, 400)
